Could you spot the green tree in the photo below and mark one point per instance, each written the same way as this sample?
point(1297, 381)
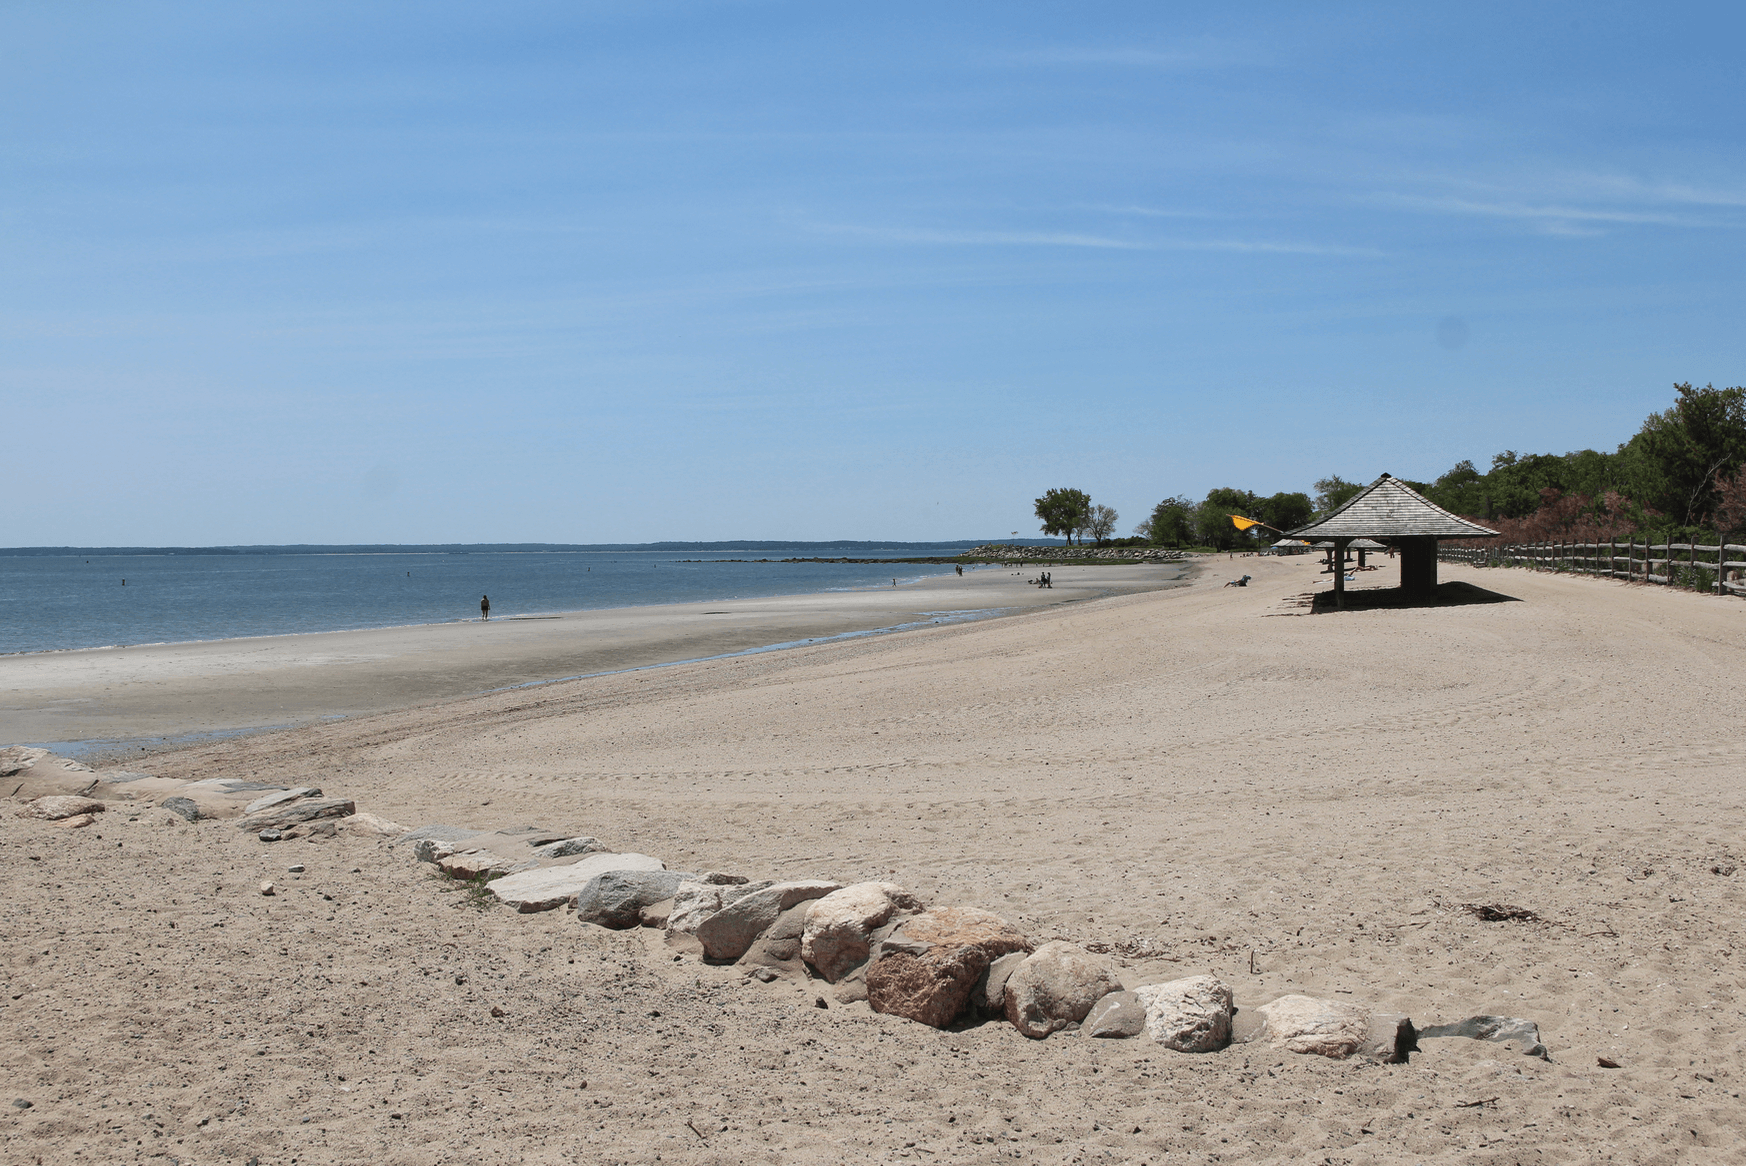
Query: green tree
point(1285, 512)
point(1683, 451)
point(1333, 492)
point(1064, 511)
point(1171, 523)
point(1212, 518)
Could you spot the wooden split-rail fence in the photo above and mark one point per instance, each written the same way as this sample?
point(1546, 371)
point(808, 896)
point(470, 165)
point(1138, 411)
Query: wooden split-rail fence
point(1721, 569)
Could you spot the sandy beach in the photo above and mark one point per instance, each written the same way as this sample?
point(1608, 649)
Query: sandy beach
point(126, 700)
point(1204, 779)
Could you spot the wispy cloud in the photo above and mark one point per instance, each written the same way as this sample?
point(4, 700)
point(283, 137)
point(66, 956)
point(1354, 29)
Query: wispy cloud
point(987, 238)
point(1148, 212)
point(1559, 219)
point(1204, 53)
point(969, 238)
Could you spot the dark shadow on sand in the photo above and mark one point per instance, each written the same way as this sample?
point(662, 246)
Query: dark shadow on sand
point(1446, 595)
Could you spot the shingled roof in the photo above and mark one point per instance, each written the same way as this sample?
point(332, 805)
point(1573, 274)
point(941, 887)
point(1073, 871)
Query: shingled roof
point(1387, 508)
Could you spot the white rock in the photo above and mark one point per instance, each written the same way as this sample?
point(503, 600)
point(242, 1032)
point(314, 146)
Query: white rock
point(473, 864)
point(279, 797)
point(729, 932)
point(698, 899)
point(1332, 1028)
point(55, 807)
point(1055, 986)
point(542, 890)
point(371, 826)
point(1191, 1015)
point(834, 940)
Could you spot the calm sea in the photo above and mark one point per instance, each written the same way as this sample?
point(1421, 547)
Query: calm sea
point(50, 602)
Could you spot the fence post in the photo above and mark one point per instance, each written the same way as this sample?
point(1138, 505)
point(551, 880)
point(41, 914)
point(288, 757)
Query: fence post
point(1721, 541)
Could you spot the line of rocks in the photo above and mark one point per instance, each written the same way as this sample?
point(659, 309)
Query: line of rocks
point(871, 941)
point(942, 966)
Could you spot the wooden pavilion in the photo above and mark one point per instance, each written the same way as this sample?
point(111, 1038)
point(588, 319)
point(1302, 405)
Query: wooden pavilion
point(1395, 515)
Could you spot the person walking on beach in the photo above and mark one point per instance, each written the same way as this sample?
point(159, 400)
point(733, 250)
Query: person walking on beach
point(484, 608)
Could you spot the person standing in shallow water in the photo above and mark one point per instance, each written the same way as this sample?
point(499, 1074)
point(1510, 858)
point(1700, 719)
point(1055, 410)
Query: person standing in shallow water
point(484, 608)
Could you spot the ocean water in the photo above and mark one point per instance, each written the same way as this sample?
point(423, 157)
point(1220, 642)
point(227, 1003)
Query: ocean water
point(52, 602)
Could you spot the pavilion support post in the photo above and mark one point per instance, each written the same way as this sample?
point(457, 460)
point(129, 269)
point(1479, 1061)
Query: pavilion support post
point(1339, 553)
point(1418, 565)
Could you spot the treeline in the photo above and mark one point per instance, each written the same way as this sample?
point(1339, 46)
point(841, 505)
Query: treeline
point(1682, 475)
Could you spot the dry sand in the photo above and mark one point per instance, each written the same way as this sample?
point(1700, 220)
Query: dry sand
point(1209, 774)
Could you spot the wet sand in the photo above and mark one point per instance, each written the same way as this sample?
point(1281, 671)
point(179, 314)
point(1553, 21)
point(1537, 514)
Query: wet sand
point(105, 701)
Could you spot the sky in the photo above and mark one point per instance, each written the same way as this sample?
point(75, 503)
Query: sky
point(603, 272)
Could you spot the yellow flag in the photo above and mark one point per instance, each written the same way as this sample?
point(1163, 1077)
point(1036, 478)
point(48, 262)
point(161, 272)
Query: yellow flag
point(1241, 523)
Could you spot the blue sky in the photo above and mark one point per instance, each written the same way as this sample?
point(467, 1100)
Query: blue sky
point(620, 272)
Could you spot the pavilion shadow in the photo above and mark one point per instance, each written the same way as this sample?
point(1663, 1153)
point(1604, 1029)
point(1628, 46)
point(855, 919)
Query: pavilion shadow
point(1446, 595)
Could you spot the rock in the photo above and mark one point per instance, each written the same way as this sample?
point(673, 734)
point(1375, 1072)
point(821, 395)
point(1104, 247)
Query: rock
point(763, 975)
point(779, 945)
point(36, 773)
point(295, 868)
point(837, 925)
point(270, 835)
point(851, 991)
point(1119, 1014)
point(76, 822)
point(371, 826)
point(930, 989)
point(327, 828)
point(475, 864)
point(1306, 1024)
point(656, 914)
point(1329, 1028)
point(927, 967)
point(697, 900)
point(990, 993)
point(616, 898)
point(267, 889)
point(425, 839)
point(279, 797)
point(21, 1103)
point(727, 934)
point(55, 807)
point(1055, 986)
point(1191, 1015)
point(566, 847)
point(184, 808)
point(295, 813)
point(1502, 1029)
point(542, 890)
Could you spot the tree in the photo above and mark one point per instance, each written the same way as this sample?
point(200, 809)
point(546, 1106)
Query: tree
point(1333, 492)
point(1685, 448)
point(1285, 512)
point(1171, 522)
point(1212, 518)
point(1064, 511)
point(1102, 522)
point(1731, 503)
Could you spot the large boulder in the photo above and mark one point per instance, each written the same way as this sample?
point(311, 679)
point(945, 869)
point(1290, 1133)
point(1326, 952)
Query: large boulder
point(295, 813)
point(279, 797)
point(727, 934)
point(1501, 1029)
point(1334, 1028)
point(699, 898)
point(926, 969)
point(565, 847)
point(835, 939)
point(427, 840)
point(1118, 1015)
point(616, 899)
point(779, 946)
point(1056, 986)
point(1191, 1015)
point(479, 863)
point(55, 807)
point(990, 993)
point(553, 886)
